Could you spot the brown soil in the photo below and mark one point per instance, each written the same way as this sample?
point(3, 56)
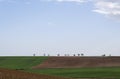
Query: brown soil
point(78, 62)
point(15, 74)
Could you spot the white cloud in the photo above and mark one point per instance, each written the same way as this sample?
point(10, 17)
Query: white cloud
point(105, 7)
point(108, 7)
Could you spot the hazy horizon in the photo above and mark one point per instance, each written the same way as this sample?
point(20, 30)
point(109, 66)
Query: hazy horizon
point(70, 27)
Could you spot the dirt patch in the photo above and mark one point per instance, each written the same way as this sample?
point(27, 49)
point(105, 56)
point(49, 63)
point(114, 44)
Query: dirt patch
point(78, 62)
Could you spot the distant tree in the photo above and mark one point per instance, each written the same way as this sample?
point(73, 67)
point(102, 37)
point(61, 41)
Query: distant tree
point(48, 54)
point(82, 54)
point(34, 54)
point(109, 54)
point(58, 54)
point(73, 54)
point(78, 54)
point(44, 54)
point(103, 55)
point(65, 54)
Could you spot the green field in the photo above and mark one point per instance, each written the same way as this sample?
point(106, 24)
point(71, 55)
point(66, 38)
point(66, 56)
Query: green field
point(27, 62)
point(20, 62)
point(110, 72)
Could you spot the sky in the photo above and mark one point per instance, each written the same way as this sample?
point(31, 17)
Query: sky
point(70, 27)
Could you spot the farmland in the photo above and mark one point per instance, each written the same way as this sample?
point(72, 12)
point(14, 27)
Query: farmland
point(105, 72)
point(20, 62)
point(14, 74)
point(26, 63)
point(79, 62)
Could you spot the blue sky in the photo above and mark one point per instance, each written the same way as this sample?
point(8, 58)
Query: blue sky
point(59, 26)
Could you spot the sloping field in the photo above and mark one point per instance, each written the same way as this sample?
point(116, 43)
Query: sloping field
point(14, 74)
point(79, 62)
point(93, 73)
point(64, 67)
point(20, 62)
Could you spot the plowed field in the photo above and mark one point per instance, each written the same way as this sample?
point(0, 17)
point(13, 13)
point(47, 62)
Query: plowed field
point(79, 62)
